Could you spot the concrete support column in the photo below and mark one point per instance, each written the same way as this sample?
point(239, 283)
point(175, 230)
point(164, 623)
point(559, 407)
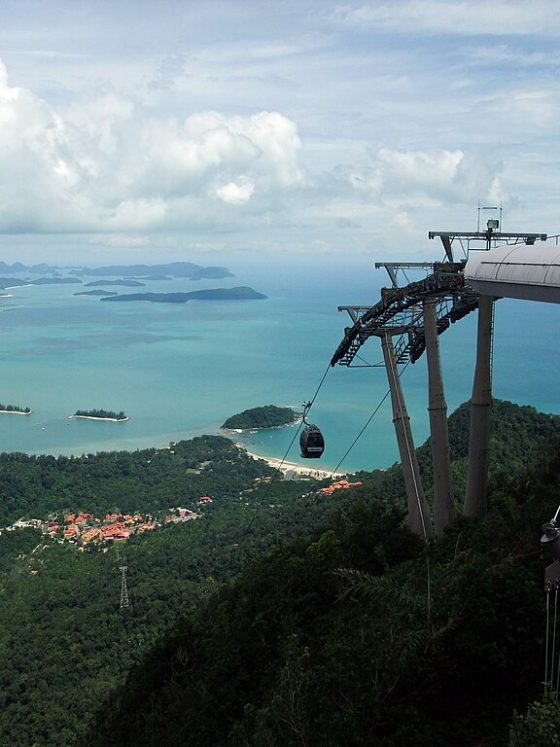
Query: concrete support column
point(481, 402)
point(444, 504)
point(418, 512)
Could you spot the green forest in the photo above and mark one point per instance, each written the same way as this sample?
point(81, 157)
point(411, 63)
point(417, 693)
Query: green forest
point(14, 408)
point(97, 413)
point(280, 616)
point(269, 416)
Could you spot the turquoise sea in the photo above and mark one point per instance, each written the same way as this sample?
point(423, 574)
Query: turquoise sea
point(181, 370)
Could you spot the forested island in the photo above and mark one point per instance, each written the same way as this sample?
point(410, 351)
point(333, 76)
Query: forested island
point(268, 416)
point(284, 615)
point(100, 415)
point(241, 293)
point(14, 409)
point(188, 270)
point(54, 281)
point(13, 282)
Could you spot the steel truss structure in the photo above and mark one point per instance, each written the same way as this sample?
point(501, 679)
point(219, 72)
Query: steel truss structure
point(400, 313)
point(408, 320)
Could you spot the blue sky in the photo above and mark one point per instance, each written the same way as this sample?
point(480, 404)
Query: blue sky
point(155, 130)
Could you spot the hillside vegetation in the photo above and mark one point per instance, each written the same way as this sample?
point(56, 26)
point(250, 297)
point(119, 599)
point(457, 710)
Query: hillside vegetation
point(280, 616)
point(352, 638)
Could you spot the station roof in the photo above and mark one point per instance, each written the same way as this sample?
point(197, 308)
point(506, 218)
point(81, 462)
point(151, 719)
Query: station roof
point(530, 272)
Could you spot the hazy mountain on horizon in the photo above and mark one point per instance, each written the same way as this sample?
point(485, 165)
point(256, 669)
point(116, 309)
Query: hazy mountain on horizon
point(188, 270)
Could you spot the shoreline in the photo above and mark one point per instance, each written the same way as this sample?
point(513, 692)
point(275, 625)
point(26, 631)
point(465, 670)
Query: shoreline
point(15, 412)
point(291, 467)
point(93, 417)
point(257, 428)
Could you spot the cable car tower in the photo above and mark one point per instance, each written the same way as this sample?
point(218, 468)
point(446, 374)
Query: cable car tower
point(408, 320)
point(124, 590)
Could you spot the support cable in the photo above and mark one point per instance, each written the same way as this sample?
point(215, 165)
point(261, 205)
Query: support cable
point(366, 425)
point(424, 530)
point(310, 403)
point(492, 349)
point(558, 666)
point(553, 655)
point(547, 636)
point(307, 407)
point(360, 434)
point(354, 442)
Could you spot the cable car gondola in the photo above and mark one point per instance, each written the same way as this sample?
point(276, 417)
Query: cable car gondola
point(311, 441)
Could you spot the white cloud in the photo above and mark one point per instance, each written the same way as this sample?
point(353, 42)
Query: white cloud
point(235, 194)
point(106, 165)
point(427, 178)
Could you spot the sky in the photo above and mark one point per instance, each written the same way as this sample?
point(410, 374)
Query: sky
point(157, 130)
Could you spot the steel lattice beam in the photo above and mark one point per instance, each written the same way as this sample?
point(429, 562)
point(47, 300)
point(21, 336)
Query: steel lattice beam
point(400, 313)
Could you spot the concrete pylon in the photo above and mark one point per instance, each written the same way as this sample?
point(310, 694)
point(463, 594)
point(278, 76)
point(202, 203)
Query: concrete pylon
point(481, 402)
point(444, 504)
point(418, 511)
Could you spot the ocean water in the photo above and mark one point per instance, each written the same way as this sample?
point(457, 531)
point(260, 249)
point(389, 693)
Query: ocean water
point(181, 370)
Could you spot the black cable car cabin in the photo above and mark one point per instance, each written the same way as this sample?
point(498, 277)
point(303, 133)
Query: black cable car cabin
point(311, 442)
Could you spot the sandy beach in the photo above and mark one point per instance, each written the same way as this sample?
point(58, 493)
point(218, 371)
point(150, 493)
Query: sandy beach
point(92, 417)
point(288, 468)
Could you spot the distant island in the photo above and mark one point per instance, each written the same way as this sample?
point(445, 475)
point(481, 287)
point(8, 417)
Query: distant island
point(100, 415)
point(12, 282)
point(53, 281)
point(97, 292)
point(14, 409)
point(19, 267)
point(269, 416)
point(188, 270)
point(215, 294)
point(128, 283)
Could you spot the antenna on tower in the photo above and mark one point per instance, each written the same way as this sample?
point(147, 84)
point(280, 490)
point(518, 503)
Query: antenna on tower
point(497, 208)
point(124, 591)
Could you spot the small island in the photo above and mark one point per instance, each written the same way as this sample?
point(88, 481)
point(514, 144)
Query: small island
point(54, 281)
point(212, 294)
point(269, 416)
point(116, 417)
point(14, 409)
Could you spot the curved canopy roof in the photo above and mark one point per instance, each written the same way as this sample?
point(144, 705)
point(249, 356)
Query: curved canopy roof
point(516, 271)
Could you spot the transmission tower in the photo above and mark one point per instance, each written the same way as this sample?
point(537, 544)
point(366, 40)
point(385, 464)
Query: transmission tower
point(124, 591)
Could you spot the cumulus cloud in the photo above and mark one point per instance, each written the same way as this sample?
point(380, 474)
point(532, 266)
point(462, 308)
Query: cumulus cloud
point(235, 194)
point(416, 178)
point(106, 165)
